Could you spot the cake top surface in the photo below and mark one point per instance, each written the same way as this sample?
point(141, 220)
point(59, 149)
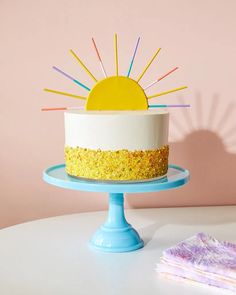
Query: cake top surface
point(121, 113)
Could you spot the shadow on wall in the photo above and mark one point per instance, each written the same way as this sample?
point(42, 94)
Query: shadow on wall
point(212, 169)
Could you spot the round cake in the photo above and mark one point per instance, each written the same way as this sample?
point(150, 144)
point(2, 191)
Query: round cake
point(117, 145)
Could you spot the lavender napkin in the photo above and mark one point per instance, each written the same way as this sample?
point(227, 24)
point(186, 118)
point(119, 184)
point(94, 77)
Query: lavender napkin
point(203, 259)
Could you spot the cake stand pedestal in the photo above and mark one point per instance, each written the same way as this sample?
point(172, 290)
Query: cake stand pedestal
point(116, 234)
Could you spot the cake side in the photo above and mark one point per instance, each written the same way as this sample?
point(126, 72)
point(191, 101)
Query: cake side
point(116, 145)
point(117, 165)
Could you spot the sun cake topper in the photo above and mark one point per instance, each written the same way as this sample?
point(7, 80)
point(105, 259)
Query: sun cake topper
point(116, 92)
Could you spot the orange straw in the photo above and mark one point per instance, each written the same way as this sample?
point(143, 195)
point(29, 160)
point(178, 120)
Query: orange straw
point(167, 74)
point(53, 109)
point(99, 58)
point(162, 77)
point(62, 109)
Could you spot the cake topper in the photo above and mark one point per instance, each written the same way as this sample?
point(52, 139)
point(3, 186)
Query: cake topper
point(116, 92)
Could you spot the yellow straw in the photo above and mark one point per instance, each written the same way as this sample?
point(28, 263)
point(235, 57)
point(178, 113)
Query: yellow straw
point(83, 65)
point(148, 65)
point(64, 93)
point(166, 92)
point(116, 53)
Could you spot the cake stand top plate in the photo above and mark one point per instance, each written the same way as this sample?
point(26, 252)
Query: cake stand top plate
point(56, 175)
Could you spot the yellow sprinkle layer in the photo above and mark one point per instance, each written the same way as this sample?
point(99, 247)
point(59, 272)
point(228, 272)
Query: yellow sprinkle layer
point(116, 165)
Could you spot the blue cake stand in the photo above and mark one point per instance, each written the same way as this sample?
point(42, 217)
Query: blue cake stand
point(116, 235)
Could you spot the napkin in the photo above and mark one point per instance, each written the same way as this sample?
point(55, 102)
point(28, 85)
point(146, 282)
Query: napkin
point(202, 259)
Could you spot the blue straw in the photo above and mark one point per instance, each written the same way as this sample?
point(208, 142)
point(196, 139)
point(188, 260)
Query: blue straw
point(169, 105)
point(132, 61)
point(71, 78)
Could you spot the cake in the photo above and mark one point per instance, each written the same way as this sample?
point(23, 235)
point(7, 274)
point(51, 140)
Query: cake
point(116, 145)
point(119, 135)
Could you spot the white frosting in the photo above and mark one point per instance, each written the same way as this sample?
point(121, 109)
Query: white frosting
point(116, 130)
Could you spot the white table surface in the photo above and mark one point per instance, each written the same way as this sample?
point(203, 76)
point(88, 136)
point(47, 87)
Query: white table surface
point(52, 256)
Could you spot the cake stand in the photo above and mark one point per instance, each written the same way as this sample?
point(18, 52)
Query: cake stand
point(116, 234)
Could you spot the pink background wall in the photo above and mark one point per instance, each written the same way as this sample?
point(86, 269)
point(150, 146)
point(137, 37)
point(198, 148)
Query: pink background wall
point(198, 36)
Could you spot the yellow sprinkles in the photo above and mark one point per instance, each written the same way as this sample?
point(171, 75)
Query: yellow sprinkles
point(116, 165)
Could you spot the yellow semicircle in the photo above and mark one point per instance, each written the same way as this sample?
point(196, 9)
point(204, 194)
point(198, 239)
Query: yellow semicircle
point(117, 93)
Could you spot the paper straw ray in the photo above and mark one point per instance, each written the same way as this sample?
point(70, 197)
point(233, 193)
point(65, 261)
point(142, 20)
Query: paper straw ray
point(166, 92)
point(132, 60)
point(99, 58)
point(159, 79)
point(167, 74)
point(169, 105)
point(53, 109)
point(83, 65)
point(64, 93)
point(148, 65)
point(62, 109)
point(71, 78)
point(116, 54)
point(96, 49)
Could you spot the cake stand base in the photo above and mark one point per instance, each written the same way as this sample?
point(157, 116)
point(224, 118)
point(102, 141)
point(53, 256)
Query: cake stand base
point(116, 235)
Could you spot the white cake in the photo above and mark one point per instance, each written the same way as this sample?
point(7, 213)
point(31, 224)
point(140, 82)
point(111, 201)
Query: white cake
point(116, 145)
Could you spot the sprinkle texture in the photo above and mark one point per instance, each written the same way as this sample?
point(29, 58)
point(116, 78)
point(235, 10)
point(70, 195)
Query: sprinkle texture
point(202, 259)
point(116, 165)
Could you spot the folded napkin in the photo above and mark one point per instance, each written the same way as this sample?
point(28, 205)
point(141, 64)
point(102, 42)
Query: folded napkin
point(203, 259)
